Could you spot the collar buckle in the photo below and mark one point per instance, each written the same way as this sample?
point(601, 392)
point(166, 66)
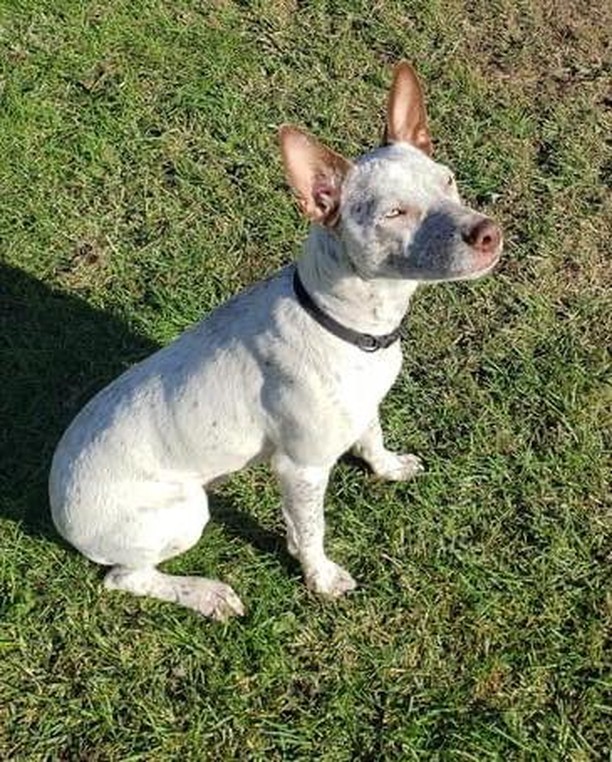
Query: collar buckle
point(368, 343)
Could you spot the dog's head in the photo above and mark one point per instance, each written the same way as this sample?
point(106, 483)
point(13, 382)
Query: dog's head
point(396, 210)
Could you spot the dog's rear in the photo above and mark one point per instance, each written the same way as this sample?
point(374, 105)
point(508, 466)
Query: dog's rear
point(284, 371)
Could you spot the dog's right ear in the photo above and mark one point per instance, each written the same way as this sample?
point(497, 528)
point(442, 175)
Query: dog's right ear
point(315, 173)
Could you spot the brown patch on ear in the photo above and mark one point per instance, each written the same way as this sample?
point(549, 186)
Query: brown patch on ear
point(406, 114)
point(315, 173)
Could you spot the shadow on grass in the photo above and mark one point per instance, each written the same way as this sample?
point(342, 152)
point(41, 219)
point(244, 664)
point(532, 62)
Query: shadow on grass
point(237, 523)
point(56, 352)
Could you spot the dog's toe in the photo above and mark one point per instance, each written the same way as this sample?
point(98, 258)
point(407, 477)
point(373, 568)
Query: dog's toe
point(220, 602)
point(330, 581)
point(400, 468)
point(209, 597)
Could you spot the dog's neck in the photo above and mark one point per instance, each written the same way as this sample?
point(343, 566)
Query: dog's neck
point(374, 306)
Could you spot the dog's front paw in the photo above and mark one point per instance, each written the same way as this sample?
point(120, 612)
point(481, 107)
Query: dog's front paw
point(399, 468)
point(330, 580)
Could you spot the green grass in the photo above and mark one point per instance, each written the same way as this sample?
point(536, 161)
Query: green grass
point(140, 186)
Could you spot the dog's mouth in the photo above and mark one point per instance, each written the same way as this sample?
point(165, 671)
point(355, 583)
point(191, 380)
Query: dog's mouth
point(477, 266)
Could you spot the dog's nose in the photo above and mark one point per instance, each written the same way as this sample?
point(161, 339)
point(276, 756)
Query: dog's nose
point(484, 236)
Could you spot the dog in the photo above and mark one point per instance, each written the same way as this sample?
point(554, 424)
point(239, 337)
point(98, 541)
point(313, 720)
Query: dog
point(291, 371)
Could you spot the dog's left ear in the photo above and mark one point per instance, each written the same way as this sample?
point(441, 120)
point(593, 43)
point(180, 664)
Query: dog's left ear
point(315, 173)
point(406, 115)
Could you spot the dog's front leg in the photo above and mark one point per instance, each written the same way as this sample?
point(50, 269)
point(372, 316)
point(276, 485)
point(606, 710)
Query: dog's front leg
point(303, 489)
point(385, 463)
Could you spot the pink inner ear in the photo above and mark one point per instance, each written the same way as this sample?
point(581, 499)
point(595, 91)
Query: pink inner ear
point(325, 195)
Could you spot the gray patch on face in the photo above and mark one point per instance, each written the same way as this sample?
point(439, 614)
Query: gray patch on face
point(437, 250)
point(363, 211)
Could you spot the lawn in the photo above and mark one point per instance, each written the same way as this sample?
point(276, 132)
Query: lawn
point(141, 185)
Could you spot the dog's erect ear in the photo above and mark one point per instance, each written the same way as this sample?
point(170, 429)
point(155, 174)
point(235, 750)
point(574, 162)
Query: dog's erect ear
point(406, 115)
point(315, 173)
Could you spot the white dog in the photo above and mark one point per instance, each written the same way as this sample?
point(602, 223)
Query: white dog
point(292, 370)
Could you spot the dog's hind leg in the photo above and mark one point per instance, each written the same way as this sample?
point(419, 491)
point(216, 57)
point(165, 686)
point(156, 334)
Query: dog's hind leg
point(384, 463)
point(164, 532)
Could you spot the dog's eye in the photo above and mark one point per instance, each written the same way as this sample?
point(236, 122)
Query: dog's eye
point(450, 180)
point(396, 212)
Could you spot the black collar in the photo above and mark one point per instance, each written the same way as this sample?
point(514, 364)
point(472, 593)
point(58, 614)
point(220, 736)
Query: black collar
point(365, 341)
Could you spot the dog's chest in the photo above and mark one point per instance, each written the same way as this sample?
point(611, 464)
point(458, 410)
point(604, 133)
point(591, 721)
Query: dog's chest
point(323, 404)
point(362, 383)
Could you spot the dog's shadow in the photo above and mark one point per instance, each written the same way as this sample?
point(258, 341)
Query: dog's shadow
point(238, 523)
point(56, 352)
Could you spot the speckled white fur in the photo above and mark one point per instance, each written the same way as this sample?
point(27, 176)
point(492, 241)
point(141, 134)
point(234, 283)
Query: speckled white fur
point(257, 379)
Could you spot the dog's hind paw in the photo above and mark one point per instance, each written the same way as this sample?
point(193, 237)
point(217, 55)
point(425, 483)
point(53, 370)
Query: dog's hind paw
point(399, 468)
point(330, 580)
point(218, 602)
point(206, 596)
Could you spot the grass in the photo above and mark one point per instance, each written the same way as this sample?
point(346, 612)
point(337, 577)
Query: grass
point(140, 186)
